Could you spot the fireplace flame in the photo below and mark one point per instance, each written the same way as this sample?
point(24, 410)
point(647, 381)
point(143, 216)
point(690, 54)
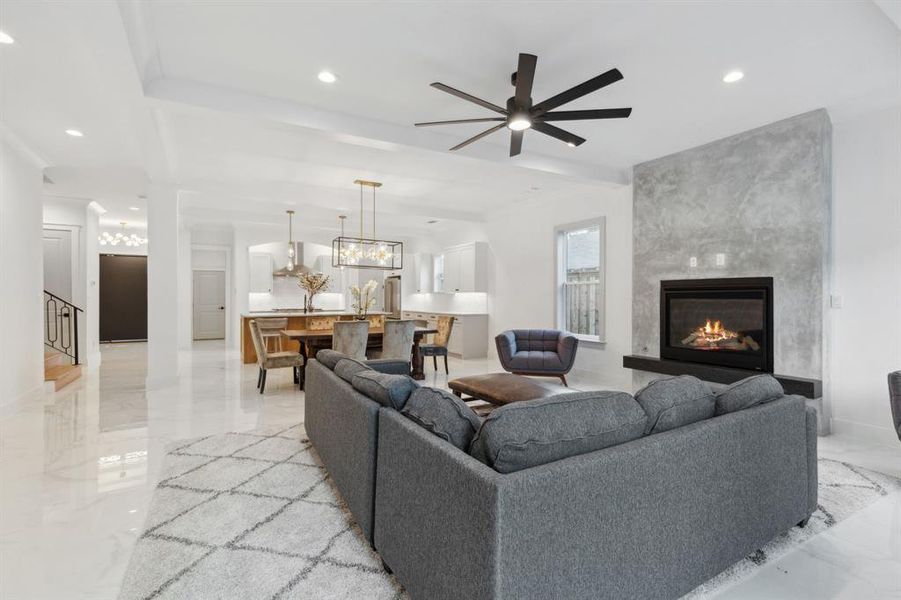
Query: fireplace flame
point(714, 336)
point(714, 332)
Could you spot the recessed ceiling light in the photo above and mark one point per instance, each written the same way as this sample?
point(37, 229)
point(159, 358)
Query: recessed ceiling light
point(327, 77)
point(733, 76)
point(133, 208)
point(570, 144)
point(5, 38)
point(74, 133)
point(432, 222)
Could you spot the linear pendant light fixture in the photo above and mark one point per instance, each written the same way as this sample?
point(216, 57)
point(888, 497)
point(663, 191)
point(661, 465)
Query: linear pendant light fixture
point(367, 253)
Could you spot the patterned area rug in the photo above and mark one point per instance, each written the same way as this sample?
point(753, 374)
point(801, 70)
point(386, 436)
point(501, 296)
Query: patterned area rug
point(253, 515)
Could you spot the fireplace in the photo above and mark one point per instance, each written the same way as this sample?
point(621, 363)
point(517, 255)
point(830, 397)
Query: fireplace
point(726, 322)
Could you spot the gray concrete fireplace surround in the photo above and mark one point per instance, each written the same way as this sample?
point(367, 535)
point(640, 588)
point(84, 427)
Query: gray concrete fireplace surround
point(755, 204)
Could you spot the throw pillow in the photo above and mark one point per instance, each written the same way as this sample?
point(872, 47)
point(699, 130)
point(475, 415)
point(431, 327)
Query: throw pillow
point(748, 392)
point(388, 390)
point(330, 358)
point(348, 367)
point(444, 414)
point(675, 401)
point(526, 434)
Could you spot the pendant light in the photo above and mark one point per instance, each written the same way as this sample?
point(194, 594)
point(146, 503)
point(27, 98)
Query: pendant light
point(291, 252)
point(362, 252)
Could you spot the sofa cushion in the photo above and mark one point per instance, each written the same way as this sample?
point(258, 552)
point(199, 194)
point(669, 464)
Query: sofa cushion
point(330, 358)
point(348, 367)
point(388, 390)
point(444, 414)
point(748, 392)
point(675, 401)
point(525, 434)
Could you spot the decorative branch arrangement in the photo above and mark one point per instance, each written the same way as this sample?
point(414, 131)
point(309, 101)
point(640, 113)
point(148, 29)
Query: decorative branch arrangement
point(364, 299)
point(313, 283)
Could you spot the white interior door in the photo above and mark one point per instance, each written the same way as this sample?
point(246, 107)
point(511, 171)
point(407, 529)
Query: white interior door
point(58, 263)
point(209, 305)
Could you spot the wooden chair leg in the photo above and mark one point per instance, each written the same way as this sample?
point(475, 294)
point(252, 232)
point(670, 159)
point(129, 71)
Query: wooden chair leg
point(563, 379)
point(446, 370)
point(259, 377)
point(263, 382)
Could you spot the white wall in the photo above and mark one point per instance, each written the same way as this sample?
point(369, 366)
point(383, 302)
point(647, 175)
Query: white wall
point(523, 289)
point(21, 275)
point(865, 344)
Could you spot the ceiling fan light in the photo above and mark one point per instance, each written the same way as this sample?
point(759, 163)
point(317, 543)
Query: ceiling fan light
point(519, 123)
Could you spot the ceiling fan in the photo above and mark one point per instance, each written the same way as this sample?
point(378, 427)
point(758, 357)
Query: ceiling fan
point(520, 114)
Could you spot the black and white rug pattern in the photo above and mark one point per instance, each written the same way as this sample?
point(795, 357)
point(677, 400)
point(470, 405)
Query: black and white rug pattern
point(253, 515)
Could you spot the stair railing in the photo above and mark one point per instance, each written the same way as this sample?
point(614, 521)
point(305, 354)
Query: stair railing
point(61, 325)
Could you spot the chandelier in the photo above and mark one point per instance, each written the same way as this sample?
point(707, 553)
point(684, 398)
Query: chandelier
point(362, 252)
point(121, 237)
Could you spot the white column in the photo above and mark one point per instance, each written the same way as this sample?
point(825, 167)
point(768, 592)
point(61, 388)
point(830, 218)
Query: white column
point(162, 286)
point(185, 289)
point(91, 251)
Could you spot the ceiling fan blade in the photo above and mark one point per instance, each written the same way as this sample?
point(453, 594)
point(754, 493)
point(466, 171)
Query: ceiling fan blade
point(556, 132)
point(485, 120)
point(579, 115)
point(478, 137)
point(515, 142)
point(525, 75)
point(592, 85)
point(469, 97)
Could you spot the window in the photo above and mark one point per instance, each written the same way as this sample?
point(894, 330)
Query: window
point(580, 279)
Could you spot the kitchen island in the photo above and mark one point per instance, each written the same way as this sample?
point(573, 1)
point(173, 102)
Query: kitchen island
point(317, 320)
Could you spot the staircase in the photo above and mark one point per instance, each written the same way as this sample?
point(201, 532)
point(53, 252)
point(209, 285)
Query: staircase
point(59, 369)
point(61, 364)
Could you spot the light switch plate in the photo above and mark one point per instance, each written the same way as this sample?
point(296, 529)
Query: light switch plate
point(720, 259)
point(835, 301)
point(693, 261)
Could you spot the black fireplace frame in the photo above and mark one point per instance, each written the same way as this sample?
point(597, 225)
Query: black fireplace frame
point(762, 363)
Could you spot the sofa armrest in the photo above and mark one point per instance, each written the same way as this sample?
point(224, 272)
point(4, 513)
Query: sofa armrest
point(506, 347)
point(391, 366)
point(436, 519)
point(567, 345)
point(812, 477)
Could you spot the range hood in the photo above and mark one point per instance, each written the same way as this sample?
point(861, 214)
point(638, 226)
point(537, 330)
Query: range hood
point(298, 268)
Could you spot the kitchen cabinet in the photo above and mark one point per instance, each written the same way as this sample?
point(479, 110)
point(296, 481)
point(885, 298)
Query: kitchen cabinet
point(423, 273)
point(465, 268)
point(469, 335)
point(260, 273)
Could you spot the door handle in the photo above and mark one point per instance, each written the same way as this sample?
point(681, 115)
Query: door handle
point(221, 308)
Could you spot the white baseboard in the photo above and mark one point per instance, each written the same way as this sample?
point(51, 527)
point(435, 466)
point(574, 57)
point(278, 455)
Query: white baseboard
point(884, 436)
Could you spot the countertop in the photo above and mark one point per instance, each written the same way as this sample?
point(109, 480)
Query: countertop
point(455, 313)
point(300, 313)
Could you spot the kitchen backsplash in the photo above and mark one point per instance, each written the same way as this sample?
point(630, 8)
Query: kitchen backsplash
point(287, 294)
point(473, 302)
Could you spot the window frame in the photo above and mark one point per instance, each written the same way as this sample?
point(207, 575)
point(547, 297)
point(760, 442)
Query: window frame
point(560, 232)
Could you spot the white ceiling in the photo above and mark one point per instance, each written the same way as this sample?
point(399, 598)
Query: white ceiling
point(222, 98)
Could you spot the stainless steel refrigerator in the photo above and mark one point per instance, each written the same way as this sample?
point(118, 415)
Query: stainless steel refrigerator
point(392, 297)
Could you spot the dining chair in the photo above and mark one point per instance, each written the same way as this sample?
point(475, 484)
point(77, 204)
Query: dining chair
point(397, 342)
point(271, 360)
point(438, 347)
point(350, 338)
point(271, 328)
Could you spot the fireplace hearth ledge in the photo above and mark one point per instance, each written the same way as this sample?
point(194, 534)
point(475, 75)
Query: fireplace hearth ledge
point(809, 388)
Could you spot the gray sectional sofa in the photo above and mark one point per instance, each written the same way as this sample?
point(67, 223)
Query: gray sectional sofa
point(645, 497)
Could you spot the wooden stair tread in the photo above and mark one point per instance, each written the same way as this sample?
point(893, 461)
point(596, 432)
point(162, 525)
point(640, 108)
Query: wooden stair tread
point(62, 375)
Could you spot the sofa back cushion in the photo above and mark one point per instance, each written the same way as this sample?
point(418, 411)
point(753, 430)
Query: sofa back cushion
point(748, 392)
point(330, 358)
point(348, 367)
point(444, 414)
point(542, 340)
point(525, 434)
point(386, 389)
point(675, 401)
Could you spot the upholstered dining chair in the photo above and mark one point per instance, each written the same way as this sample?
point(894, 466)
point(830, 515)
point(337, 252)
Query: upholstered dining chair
point(894, 392)
point(271, 360)
point(350, 338)
point(438, 347)
point(397, 342)
point(541, 352)
point(271, 330)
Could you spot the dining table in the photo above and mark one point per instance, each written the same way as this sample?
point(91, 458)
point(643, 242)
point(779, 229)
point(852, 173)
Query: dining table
point(313, 340)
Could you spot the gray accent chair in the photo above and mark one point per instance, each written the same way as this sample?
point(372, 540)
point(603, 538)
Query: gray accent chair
point(894, 391)
point(541, 352)
point(350, 338)
point(271, 360)
point(651, 518)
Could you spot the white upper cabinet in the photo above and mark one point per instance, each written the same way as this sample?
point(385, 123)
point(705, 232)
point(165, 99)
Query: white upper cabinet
point(260, 273)
point(423, 273)
point(465, 268)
